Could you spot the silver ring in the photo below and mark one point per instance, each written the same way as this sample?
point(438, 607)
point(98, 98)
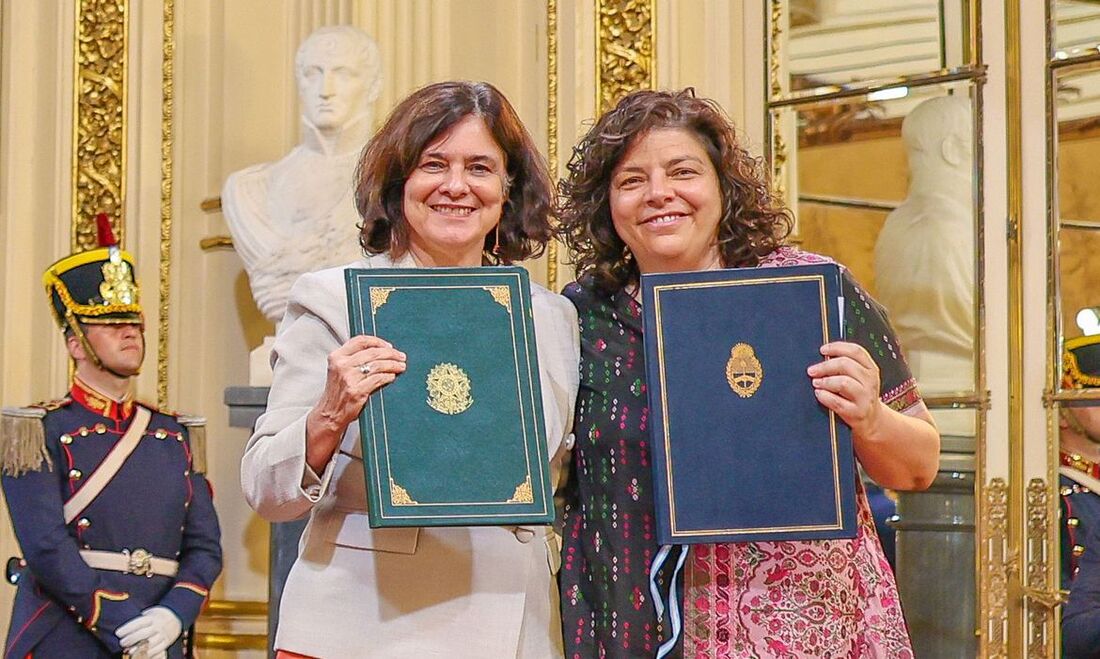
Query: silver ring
point(364, 368)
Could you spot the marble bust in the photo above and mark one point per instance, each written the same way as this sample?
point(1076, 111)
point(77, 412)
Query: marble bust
point(297, 214)
point(924, 256)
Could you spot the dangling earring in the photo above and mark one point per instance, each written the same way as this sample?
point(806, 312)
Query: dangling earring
point(496, 242)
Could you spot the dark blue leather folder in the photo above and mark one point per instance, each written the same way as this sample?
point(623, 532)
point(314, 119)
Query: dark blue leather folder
point(742, 450)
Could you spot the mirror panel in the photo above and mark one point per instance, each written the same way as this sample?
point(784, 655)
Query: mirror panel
point(899, 212)
point(1076, 25)
point(844, 42)
point(886, 184)
point(935, 533)
point(1077, 113)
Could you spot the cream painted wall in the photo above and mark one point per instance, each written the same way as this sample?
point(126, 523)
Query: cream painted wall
point(699, 44)
point(235, 104)
point(35, 138)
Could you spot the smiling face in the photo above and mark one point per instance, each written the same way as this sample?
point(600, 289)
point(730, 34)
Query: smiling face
point(455, 195)
point(666, 202)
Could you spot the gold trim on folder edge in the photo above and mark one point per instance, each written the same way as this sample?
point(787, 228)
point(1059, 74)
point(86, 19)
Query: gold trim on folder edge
point(528, 340)
point(657, 290)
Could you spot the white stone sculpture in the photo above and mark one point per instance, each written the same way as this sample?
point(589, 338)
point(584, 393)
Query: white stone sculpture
point(297, 214)
point(924, 257)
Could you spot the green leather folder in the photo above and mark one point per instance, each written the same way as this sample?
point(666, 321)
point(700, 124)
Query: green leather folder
point(457, 439)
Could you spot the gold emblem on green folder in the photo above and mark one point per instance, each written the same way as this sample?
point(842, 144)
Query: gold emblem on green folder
point(449, 389)
point(743, 370)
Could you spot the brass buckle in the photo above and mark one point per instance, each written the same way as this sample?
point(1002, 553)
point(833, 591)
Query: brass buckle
point(140, 562)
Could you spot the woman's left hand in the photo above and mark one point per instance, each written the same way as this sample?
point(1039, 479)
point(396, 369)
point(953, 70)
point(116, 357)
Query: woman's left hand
point(848, 384)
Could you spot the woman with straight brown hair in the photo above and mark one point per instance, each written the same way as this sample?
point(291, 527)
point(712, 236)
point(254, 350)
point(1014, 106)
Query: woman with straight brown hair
point(452, 179)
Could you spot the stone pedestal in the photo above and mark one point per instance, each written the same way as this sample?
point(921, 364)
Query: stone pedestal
point(935, 561)
point(246, 404)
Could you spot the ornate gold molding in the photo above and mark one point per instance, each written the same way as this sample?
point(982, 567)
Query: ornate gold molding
point(777, 142)
point(625, 48)
point(552, 126)
point(1042, 597)
point(99, 118)
point(1015, 281)
point(995, 568)
point(167, 114)
point(231, 641)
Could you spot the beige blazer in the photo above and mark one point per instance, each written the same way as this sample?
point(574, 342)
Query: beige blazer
point(483, 592)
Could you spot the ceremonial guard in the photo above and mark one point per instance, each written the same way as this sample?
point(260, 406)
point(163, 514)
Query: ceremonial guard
point(1079, 484)
point(110, 506)
point(1079, 449)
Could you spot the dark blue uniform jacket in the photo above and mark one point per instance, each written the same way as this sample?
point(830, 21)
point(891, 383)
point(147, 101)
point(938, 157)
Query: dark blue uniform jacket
point(63, 607)
point(1080, 571)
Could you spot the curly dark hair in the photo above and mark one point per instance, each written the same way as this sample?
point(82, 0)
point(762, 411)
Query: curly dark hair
point(753, 224)
point(394, 152)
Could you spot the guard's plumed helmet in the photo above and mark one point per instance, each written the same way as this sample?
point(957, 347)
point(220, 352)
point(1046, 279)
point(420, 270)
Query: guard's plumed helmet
point(1081, 362)
point(96, 286)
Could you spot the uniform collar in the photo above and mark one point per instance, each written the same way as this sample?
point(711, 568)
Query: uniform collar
point(101, 403)
point(1075, 461)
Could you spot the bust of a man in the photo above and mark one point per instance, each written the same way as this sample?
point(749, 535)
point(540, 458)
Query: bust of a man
point(924, 257)
point(297, 214)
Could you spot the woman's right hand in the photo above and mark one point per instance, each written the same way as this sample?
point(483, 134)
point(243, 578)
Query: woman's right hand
point(356, 369)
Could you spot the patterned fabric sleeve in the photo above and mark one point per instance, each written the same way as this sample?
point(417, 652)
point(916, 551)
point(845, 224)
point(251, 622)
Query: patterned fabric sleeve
point(865, 323)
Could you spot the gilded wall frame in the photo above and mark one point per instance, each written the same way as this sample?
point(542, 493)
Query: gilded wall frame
point(1043, 561)
point(996, 553)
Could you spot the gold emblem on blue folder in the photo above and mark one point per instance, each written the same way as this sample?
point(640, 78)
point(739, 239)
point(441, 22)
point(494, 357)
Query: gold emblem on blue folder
point(743, 370)
point(449, 389)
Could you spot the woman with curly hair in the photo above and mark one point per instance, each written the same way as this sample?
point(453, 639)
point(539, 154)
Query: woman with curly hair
point(660, 184)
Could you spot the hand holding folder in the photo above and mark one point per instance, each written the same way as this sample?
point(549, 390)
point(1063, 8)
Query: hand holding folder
point(742, 449)
point(458, 439)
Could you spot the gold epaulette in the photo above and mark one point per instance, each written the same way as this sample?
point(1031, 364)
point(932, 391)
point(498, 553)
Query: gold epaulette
point(196, 434)
point(51, 405)
point(23, 440)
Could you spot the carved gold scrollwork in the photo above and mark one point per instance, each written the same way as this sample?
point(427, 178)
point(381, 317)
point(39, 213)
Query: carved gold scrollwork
point(1036, 588)
point(552, 125)
point(99, 118)
point(167, 114)
point(776, 88)
point(625, 49)
point(996, 565)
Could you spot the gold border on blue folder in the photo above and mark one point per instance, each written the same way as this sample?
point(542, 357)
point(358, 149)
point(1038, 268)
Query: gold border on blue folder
point(657, 291)
point(536, 467)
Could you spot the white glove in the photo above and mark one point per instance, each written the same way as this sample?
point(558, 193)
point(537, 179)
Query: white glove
point(157, 626)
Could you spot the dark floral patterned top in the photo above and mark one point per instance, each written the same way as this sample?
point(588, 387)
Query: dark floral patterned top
point(792, 599)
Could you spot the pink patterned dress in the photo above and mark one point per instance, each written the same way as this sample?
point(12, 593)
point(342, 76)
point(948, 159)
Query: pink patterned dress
point(823, 598)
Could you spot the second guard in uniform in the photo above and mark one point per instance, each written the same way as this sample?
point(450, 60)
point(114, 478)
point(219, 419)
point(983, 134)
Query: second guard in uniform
point(114, 517)
point(1079, 482)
